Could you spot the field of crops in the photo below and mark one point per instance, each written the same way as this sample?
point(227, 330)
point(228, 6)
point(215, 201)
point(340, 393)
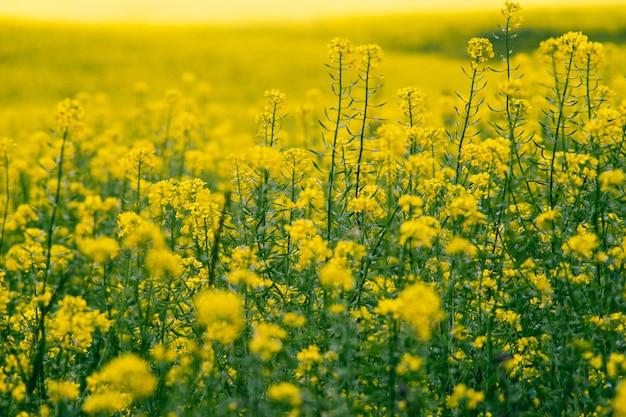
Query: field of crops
point(364, 217)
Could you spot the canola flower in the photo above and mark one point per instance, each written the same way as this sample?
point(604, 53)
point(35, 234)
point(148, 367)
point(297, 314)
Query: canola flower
point(120, 382)
point(428, 258)
point(221, 312)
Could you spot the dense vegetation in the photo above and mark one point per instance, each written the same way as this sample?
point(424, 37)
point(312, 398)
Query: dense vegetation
point(372, 251)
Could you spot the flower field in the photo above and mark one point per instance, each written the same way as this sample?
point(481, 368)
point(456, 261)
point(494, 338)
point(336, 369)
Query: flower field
point(366, 253)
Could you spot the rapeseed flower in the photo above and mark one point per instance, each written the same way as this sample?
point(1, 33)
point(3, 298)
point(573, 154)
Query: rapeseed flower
point(611, 180)
point(420, 232)
point(73, 324)
point(312, 251)
point(120, 382)
point(619, 401)
point(460, 245)
point(63, 390)
point(309, 357)
point(332, 275)
point(511, 13)
point(138, 162)
point(301, 229)
point(267, 340)
point(221, 312)
point(370, 55)
point(409, 363)
point(462, 395)
point(99, 250)
point(162, 263)
point(285, 392)
point(418, 305)
point(412, 102)
point(293, 319)
point(582, 244)
point(70, 114)
point(247, 277)
point(480, 50)
point(135, 231)
point(340, 50)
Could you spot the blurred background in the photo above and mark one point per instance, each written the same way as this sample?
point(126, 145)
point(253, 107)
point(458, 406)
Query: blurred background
point(125, 53)
point(237, 10)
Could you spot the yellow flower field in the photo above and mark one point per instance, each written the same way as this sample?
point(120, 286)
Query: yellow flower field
point(440, 239)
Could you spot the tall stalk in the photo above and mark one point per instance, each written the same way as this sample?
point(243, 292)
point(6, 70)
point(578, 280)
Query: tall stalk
point(340, 51)
point(6, 143)
point(370, 56)
point(480, 50)
point(69, 115)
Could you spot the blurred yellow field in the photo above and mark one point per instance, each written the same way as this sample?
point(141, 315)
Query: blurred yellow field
point(410, 215)
point(43, 62)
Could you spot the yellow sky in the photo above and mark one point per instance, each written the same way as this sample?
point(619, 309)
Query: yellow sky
point(225, 10)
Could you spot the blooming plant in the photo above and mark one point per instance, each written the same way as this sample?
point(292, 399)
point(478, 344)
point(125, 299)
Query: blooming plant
point(420, 266)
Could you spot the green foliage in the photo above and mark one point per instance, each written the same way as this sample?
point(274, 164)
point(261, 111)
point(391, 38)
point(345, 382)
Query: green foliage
point(366, 254)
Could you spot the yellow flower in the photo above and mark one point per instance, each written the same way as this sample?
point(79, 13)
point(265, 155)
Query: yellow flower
point(619, 401)
point(419, 232)
point(429, 139)
point(479, 342)
point(301, 229)
point(510, 317)
point(296, 162)
point(222, 314)
point(285, 392)
point(462, 394)
point(511, 13)
point(335, 276)
point(368, 202)
point(312, 251)
point(294, 319)
point(246, 277)
point(370, 56)
point(120, 382)
point(70, 114)
point(460, 245)
point(519, 107)
point(244, 257)
point(418, 305)
point(545, 220)
point(274, 96)
point(127, 373)
point(480, 50)
point(73, 324)
point(339, 50)
point(412, 102)
point(388, 307)
point(571, 41)
point(308, 357)
point(421, 307)
point(583, 244)
point(346, 250)
point(162, 263)
point(135, 231)
point(138, 162)
point(108, 402)
point(63, 391)
point(267, 340)
point(99, 250)
point(610, 180)
point(409, 363)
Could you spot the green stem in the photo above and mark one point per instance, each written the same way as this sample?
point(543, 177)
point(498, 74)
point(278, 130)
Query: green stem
point(6, 202)
point(333, 151)
point(560, 120)
point(363, 126)
point(466, 121)
point(37, 376)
